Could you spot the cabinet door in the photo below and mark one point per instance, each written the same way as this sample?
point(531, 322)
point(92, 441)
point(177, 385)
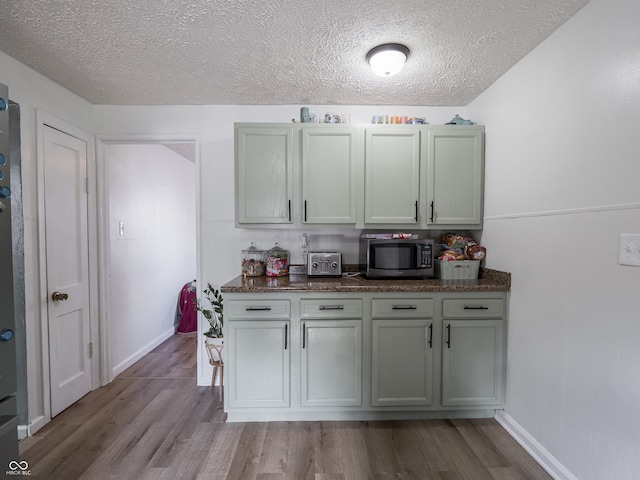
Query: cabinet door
point(472, 362)
point(392, 166)
point(331, 363)
point(329, 174)
point(455, 174)
point(402, 370)
point(264, 178)
point(258, 362)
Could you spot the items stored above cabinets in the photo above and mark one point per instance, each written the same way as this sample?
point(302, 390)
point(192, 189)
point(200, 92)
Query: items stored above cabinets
point(359, 176)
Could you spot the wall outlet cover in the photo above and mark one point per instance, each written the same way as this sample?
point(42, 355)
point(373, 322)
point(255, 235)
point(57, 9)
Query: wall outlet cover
point(629, 249)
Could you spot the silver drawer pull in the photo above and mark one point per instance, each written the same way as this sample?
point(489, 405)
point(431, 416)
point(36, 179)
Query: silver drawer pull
point(331, 307)
point(404, 307)
point(475, 307)
point(258, 309)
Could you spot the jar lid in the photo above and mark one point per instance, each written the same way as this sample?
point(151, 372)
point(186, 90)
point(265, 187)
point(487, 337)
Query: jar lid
point(277, 251)
point(252, 249)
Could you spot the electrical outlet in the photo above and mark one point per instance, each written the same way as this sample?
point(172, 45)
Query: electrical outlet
point(629, 250)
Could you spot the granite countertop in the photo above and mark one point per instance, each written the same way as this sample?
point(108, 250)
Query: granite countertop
point(488, 281)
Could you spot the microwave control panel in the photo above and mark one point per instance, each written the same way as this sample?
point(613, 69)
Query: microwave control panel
point(426, 255)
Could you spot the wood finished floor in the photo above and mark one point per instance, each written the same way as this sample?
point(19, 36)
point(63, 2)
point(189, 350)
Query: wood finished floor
point(153, 423)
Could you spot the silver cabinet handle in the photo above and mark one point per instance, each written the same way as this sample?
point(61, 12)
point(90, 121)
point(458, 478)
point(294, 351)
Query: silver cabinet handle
point(331, 307)
point(475, 307)
point(404, 307)
point(258, 309)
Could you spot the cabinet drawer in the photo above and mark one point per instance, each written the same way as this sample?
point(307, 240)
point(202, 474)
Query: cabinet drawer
point(331, 308)
point(258, 309)
point(402, 308)
point(473, 308)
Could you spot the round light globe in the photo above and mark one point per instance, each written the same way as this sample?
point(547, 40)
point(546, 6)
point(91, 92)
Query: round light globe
point(387, 60)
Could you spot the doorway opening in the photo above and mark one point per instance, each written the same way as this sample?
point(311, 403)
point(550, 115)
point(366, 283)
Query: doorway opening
point(149, 233)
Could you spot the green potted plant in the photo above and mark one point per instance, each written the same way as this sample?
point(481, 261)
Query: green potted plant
point(214, 314)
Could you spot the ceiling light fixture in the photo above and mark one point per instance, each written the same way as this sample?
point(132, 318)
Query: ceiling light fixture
point(387, 59)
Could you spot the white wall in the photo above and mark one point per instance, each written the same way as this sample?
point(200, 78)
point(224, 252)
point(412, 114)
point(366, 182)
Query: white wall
point(35, 92)
point(220, 242)
point(152, 191)
point(562, 172)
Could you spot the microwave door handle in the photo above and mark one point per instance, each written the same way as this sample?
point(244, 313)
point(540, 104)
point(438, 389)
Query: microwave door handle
point(418, 256)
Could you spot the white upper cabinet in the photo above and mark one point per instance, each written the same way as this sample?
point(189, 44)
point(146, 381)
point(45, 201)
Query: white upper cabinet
point(264, 174)
point(359, 176)
point(392, 180)
point(455, 159)
point(329, 174)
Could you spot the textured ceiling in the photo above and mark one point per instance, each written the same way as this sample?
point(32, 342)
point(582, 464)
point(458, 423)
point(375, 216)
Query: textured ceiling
point(154, 52)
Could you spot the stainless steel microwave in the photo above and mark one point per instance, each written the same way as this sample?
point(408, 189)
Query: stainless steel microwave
point(396, 258)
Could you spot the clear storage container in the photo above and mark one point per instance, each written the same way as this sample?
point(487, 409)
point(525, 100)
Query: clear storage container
point(252, 261)
point(277, 262)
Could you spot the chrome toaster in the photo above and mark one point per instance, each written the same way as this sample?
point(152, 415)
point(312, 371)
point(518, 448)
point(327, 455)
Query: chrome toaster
point(324, 264)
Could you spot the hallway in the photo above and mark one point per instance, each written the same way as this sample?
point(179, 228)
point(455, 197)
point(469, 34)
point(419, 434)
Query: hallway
point(153, 423)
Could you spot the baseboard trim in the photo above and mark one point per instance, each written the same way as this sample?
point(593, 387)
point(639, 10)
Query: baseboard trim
point(540, 454)
point(122, 366)
point(36, 424)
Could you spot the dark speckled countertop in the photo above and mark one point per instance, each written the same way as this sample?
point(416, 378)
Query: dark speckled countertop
point(488, 281)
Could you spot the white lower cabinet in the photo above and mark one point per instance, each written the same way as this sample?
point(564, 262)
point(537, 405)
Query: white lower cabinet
point(472, 362)
point(402, 356)
point(473, 349)
point(364, 355)
point(402, 352)
point(257, 353)
point(331, 352)
point(258, 363)
point(331, 363)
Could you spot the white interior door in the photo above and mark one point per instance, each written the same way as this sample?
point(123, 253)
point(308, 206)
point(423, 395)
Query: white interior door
point(65, 177)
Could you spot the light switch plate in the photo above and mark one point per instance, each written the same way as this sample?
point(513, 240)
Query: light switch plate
point(629, 249)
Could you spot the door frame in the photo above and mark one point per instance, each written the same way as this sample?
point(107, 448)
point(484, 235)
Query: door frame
point(44, 119)
point(102, 205)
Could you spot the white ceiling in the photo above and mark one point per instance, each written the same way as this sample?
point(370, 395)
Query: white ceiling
point(154, 52)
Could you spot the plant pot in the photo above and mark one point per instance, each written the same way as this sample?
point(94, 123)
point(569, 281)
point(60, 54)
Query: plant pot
point(218, 344)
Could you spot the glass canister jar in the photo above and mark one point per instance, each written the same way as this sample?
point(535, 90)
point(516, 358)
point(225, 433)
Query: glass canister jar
point(252, 261)
point(277, 262)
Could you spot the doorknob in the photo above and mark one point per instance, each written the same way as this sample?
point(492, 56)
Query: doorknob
point(59, 297)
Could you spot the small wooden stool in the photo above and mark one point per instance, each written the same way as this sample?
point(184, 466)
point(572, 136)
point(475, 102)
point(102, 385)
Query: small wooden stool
point(215, 360)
